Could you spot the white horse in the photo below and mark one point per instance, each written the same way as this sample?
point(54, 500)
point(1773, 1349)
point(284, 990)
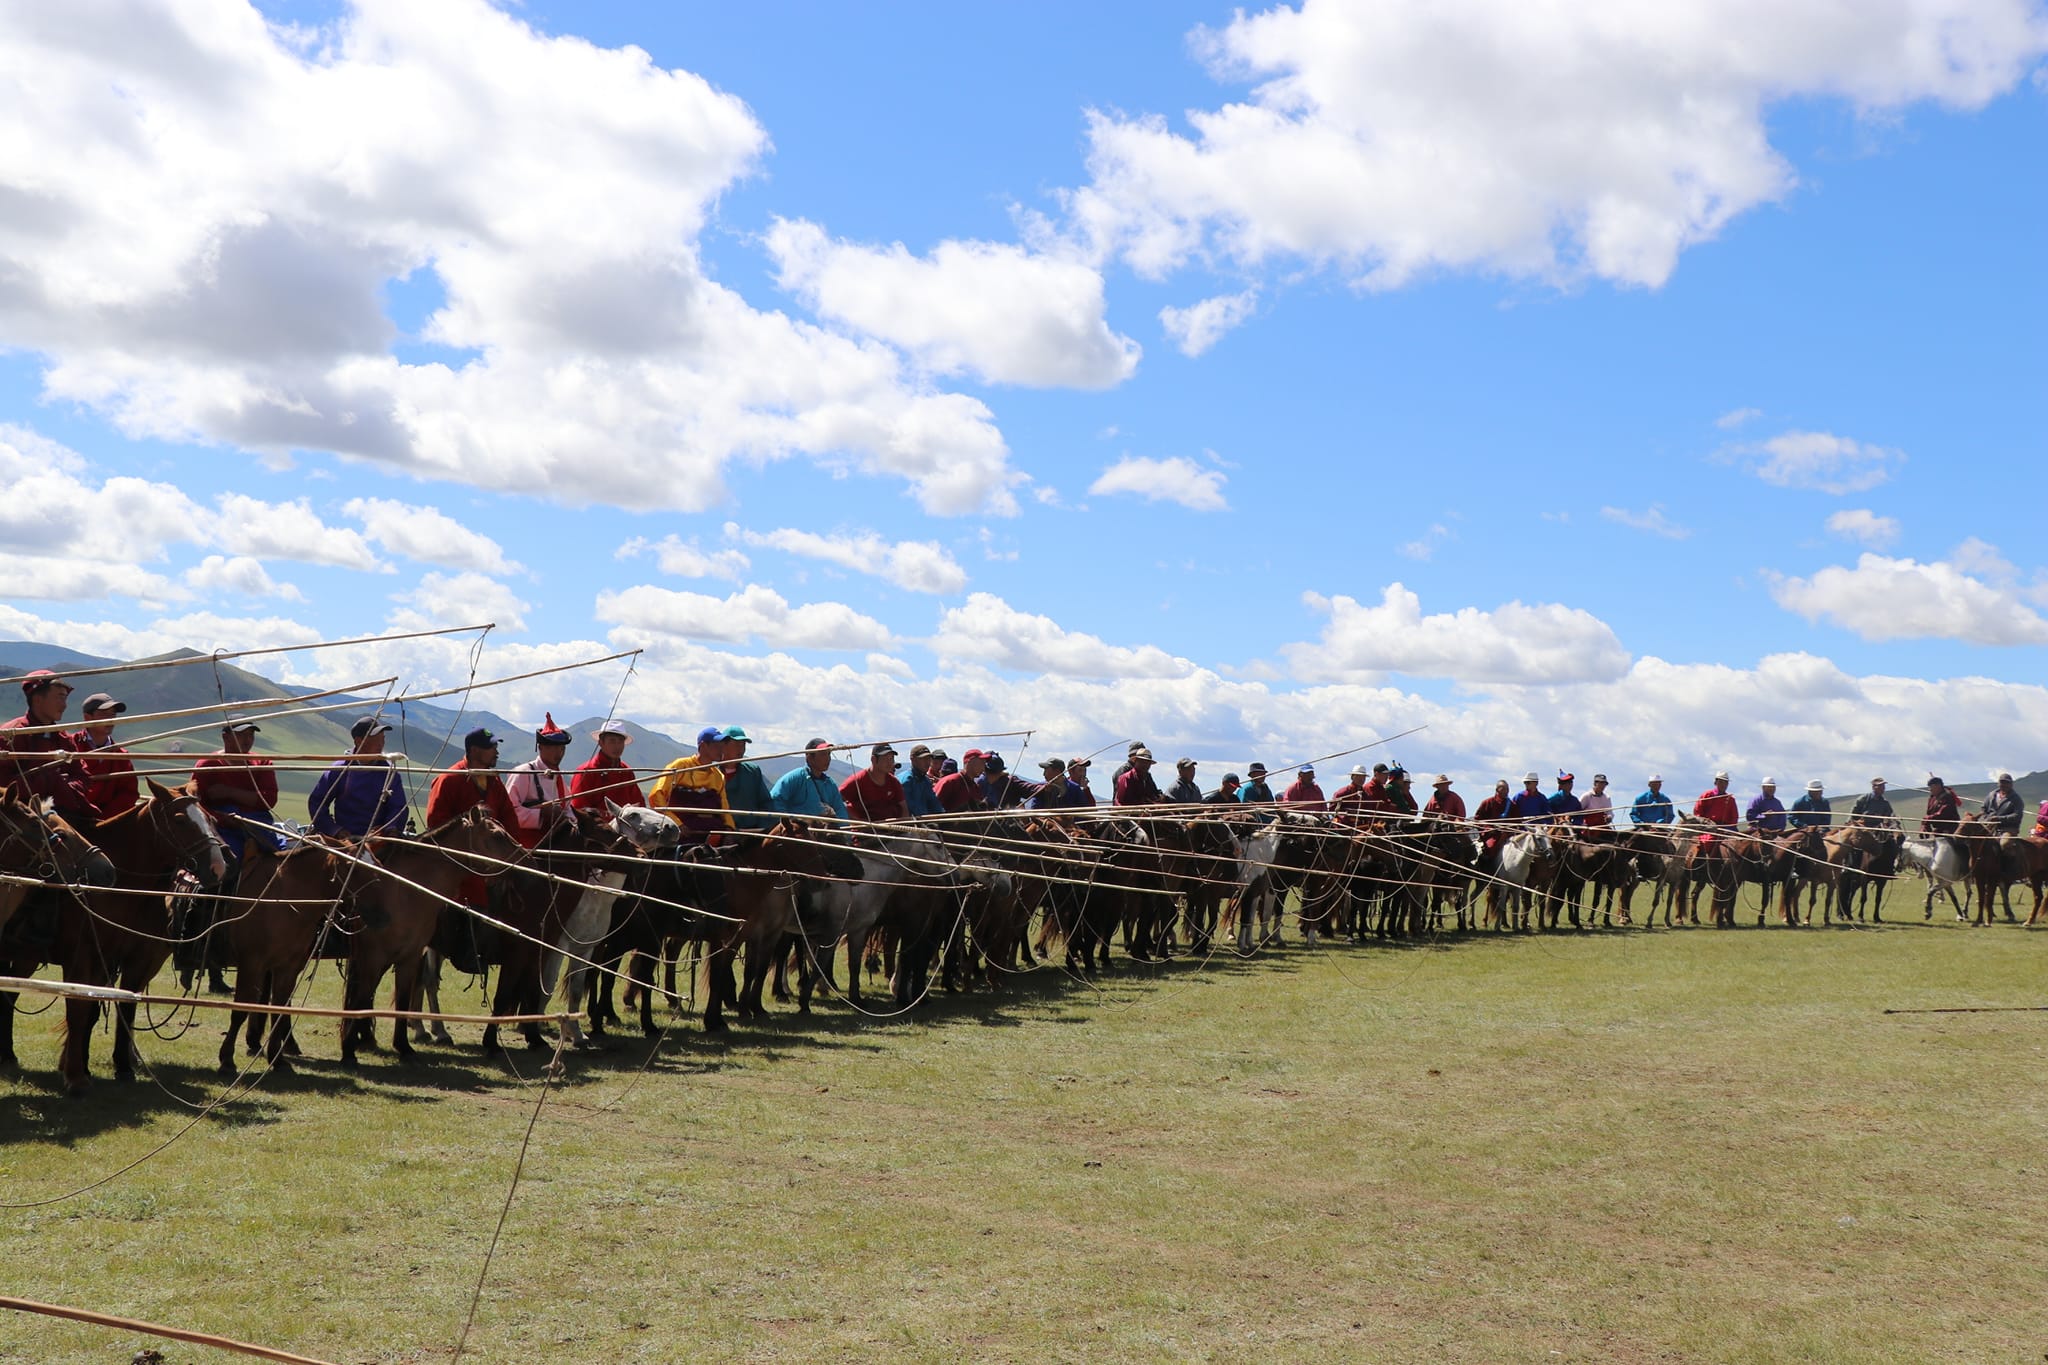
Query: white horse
point(1519, 856)
point(1942, 863)
point(1258, 889)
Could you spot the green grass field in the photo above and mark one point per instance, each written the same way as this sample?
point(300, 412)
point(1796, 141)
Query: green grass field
point(1625, 1146)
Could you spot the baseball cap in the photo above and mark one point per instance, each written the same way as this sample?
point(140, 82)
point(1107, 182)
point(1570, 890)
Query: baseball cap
point(809, 744)
point(35, 681)
point(1599, 777)
point(1306, 770)
point(711, 734)
point(1081, 762)
point(994, 762)
point(367, 726)
point(882, 749)
point(242, 727)
point(734, 732)
point(974, 753)
point(480, 738)
point(1184, 763)
point(1656, 777)
point(1052, 765)
point(1232, 780)
point(100, 701)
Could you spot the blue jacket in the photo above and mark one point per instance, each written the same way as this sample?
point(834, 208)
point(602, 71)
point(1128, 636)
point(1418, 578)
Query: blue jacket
point(1255, 791)
point(1564, 803)
point(1528, 805)
point(1812, 811)
point(1651, 808)
point(747, 798)
point(918, 795)
point(357, 800)
point(796, 792)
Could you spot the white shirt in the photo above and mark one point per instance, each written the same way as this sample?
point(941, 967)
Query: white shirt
point(533, 782)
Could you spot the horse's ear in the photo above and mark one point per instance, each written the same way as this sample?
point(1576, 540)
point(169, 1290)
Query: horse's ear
point(612, 809)
point(158, 791)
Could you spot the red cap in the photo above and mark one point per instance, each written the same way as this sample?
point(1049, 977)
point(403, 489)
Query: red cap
point(32, 683)
point(974, 753)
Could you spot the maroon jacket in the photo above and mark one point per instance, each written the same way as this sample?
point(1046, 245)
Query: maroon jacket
point(44, 765)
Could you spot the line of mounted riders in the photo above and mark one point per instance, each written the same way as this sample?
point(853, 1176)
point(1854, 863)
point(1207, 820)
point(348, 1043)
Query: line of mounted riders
point(621, 893)
point(581, 896)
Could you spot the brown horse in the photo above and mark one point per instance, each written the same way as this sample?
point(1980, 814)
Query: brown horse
point(296, 897)
point(44, 846)
point(107, 938)
point(402, 912)
point(1710, 863)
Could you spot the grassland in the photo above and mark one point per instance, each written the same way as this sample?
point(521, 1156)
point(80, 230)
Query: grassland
point(1629, 1146)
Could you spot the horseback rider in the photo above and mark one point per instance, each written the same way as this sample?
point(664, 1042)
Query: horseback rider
point(1766, 814)
point(360, 794)
point(109, 774)
point(2002, 809)
point(605, 776)
point(58, 777)
point(540, 794)
point(1652, 807)
point(1872, 809)
point(1812, 810)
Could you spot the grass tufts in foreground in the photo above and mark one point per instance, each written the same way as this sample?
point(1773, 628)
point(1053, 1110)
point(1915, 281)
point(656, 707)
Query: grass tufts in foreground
point(1625, 1146)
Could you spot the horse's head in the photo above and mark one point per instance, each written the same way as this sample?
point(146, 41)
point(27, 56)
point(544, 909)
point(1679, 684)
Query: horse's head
point(649, 831)
point(186, 829)
point(77, 858)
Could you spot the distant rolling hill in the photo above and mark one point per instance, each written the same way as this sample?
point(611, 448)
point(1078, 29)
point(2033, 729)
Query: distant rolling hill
point(429, 736)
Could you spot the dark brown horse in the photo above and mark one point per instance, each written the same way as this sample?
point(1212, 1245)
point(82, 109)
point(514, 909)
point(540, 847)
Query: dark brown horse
point(417, 880)
point(43, 846)
point(107, 938)
point(295, 897)
point(1710, 864)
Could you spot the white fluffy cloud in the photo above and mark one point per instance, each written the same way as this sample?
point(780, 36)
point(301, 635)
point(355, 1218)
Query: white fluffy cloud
point(1199, 326)
point(915, 565)
point(1864, 526)
point(290, 530)
point(1817, 460)
point(204, 212)
point(460, 599)
point(1545, 643)
point(1601, 137)
point(241, 574)
point(1001, 312)
point(1902, 599)
point(686, 558)
point(1174, 479)
point(427, 535)
point(754, 613)
point(989, 630)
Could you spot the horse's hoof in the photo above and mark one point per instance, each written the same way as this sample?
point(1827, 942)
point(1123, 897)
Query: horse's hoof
point(224, 1068)
point(124, 1076)
point(281, 1066)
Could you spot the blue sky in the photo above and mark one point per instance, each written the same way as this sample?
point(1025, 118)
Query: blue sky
point(1583, 359)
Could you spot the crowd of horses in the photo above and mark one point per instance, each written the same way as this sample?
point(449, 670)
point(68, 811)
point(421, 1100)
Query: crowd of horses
point(951, 901)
